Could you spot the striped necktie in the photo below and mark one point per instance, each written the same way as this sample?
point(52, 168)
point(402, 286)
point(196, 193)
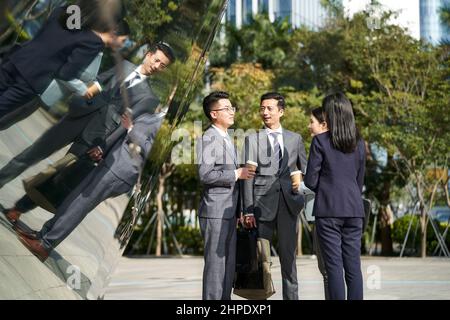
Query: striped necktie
point(276, 148)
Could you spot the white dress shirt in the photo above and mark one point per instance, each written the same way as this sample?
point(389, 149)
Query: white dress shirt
point(132, 75)
point(279, 137)
point(228, 141)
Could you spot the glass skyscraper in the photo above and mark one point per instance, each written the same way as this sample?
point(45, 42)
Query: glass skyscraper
point(431, 28)
point(309, 13)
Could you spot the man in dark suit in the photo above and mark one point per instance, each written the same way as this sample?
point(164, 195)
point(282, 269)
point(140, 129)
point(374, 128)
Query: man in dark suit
point(269, 199)
point(116, 175)
point(55, 52)
point(219, 172)
point(88, 123)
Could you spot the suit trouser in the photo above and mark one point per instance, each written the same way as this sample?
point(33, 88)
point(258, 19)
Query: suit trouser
point(287, 228)
point(98, 186)
point(340, 242)
point(14, 89)
point(54, 139)
point(320, 262)
point(19, 113)
point(220, 257)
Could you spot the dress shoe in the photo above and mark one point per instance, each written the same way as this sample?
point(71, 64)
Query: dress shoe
point(35, 247)
point(28, 233)
point(12, 215)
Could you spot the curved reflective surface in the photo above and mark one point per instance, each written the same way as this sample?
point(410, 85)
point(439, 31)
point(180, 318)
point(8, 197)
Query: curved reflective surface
point(79, 266)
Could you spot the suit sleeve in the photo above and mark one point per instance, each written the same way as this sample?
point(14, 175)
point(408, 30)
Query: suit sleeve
point(107, 144)
point(80, 58)
point(207, 171)
point(145, 140)
point(314, 166)
point(104, 77)
point(301, 160)
point(146, 105)
point(362, 166)
point(247, 185)
point(75, 86)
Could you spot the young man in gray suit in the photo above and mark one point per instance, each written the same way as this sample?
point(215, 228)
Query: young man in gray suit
point(88, 123)
point(115, 175)
point(219, 172)
point(270, 201)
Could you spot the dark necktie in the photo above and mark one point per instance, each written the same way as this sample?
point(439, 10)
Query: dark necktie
point(276, 148)
point(136, 76)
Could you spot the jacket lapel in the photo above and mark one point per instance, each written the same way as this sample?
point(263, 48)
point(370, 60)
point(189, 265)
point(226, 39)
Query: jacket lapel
point(264, 147)
point(286, 147)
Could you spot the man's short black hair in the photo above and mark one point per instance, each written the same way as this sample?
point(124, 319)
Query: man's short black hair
point(212, 98)
point(165, 48)
point(274, 95)
point(123, 29)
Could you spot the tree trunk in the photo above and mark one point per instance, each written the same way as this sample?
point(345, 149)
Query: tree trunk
point(160, 217)
point(385, 213)
point(423, 232)
point(385, 218)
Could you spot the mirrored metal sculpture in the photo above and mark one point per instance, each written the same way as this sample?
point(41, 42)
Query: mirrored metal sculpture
point(80, 264)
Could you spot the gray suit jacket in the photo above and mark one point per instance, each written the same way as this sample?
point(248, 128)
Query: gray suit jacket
point(217, 162)
point(109, 107)
point(142, 99)
point(262, 193)
point(120, 159)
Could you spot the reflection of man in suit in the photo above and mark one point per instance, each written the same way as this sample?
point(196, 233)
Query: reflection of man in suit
point(218, 171)
point(60, 90)
point(88, 123)
point(116, 175)
point(55, 52)
point(269, 199)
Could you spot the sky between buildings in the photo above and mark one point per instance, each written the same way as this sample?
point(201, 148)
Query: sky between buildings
point(408, 17)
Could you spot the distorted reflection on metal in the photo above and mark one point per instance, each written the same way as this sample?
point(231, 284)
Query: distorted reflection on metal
point(95, 246)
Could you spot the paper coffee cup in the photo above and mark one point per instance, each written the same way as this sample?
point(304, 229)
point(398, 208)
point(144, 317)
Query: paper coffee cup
point(251, 165)
point(295, 178)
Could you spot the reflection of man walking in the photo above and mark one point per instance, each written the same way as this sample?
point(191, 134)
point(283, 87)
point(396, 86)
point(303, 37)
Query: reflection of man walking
point(115, 175)
point(269, 200)
point(89, 123)
point(218, 171)
point(55, 52)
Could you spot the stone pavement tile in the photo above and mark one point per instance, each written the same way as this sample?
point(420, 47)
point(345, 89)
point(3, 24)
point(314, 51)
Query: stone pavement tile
point(181, 278)
point(35, 273)
point(12, 285)
point(59, 293)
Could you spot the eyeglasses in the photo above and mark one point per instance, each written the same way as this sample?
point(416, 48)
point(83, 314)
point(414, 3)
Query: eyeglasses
point(229, 109)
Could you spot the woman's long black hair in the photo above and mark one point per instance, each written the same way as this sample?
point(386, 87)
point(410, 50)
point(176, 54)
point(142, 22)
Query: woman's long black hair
point(341, 122)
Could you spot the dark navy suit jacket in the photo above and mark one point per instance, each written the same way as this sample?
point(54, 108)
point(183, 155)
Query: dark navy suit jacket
point(55, 53)
point(337, 178)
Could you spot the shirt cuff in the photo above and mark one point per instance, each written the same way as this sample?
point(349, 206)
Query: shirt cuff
point(236, 175)
point(99, 87)
point(129, 129)
point(249, 215)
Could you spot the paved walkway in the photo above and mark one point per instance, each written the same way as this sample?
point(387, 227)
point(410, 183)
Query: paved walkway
point(180, 278)
point(87, 255)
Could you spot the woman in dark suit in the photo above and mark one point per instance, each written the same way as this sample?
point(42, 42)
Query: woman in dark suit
point(335, 173)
